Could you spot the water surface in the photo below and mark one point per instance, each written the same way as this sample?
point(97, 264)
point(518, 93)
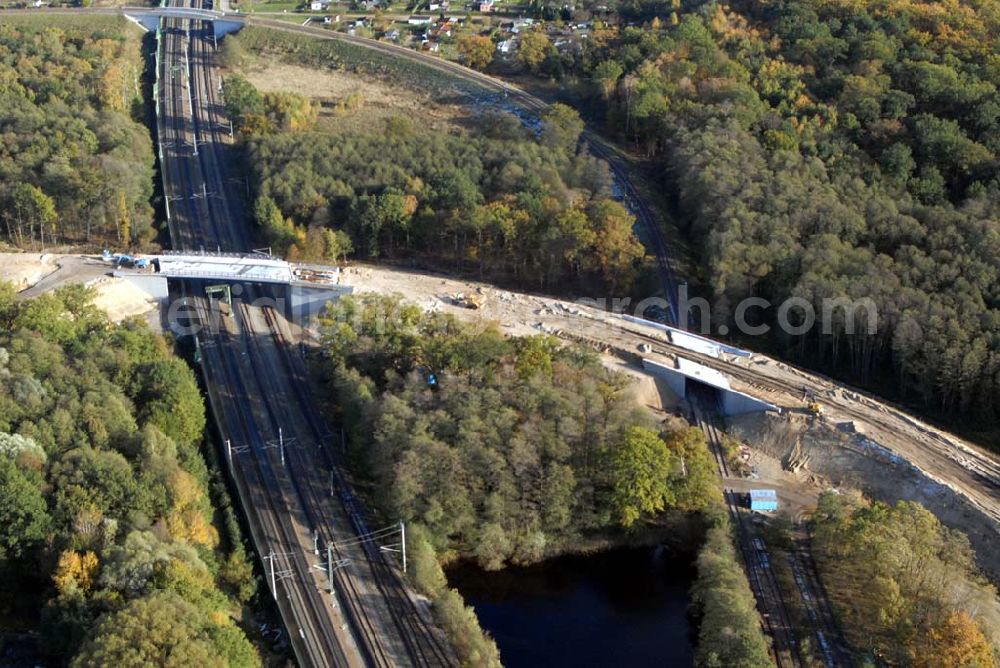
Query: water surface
point(618, 608)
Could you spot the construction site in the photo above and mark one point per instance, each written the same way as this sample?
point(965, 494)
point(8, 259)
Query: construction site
point(836, 436)
point(336, 578)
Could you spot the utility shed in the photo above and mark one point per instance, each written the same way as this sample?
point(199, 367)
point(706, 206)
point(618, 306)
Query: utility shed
point(763, 500)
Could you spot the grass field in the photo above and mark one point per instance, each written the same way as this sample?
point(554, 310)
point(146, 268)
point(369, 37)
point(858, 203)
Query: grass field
point(71, 23)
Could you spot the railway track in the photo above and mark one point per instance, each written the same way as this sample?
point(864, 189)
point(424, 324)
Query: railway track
point(205, 222)
point(770, 601)
point(368, 618)
point(277, 360)
point(256, 481)
point(823, 625)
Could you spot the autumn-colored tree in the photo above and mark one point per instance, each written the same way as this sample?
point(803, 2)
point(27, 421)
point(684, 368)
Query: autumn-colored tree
point(956, 642)
point(189, 518)
point(289, 111)
point(616, 249)
point(75, 572)
point(535, 47)
point(476, 50)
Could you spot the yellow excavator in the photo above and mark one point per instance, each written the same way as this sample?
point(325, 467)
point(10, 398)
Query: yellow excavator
point(471, 302)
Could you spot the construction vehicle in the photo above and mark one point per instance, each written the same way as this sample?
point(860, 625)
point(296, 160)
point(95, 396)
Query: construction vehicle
point(123, 260)
point(814, 408)
point(471, 302)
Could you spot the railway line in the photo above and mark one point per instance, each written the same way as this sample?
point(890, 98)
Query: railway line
point(344, 604)
point(421, 641)
point(824, 630)
point(200, 222)
point(770, 603)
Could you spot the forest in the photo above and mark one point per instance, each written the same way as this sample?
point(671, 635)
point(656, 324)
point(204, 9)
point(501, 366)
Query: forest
point(500, 201)
point(110, 546)
point(506, 450)
point(906, 588)
point(76, 162)
point(824, 149)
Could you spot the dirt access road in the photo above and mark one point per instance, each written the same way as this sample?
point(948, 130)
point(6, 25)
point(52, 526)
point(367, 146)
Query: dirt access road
point(33, 274)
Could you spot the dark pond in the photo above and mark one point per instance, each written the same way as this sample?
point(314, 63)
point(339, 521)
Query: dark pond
point(618, 608)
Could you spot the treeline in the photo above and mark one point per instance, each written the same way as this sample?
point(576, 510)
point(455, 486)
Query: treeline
point(730, 631)
point(76, 164)
point(108, 544)
point(504, 449)
point(905, 588)
point(821, 150)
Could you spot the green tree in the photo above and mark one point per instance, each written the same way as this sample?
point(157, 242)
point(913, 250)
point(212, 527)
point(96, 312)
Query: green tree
point(641, 464)
point(168, 398)
point(606, 74)
point(164, 630)
point(244, 103)
point(694, 481)
point(35, 209)
point(24, 518)
point(561, 128)
point(730, 630)
point(278, 232)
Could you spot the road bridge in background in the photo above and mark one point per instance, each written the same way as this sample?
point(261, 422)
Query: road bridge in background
point(149, 17)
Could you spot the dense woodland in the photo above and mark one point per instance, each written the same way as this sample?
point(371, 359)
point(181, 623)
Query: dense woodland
point(817, 148)
point(905, 588)
point(76, 163)
point(505, 449)
point(500, 201)
point(810, 149)
point(108, 539)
